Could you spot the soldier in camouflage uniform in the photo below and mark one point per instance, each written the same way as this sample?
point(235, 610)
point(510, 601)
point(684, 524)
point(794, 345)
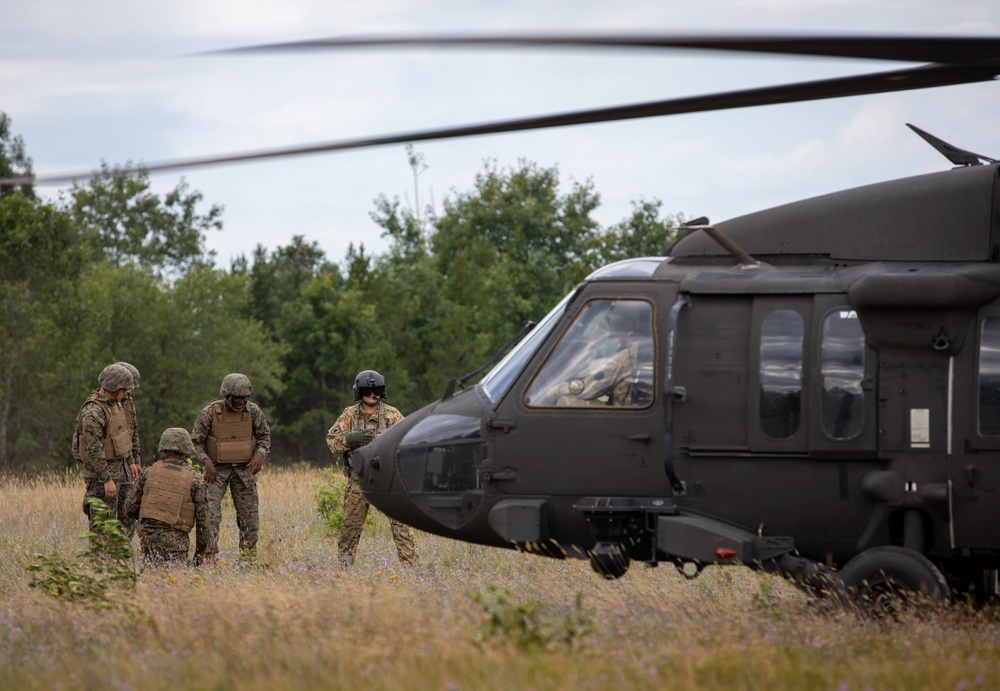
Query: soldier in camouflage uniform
point(169, 499)
point(135, 462)
point(356, 426)
point(102, 441)
point(231, 437)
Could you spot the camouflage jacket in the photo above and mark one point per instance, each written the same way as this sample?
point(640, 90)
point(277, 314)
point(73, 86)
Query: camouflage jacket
point(203, 427)
point(91, 423)
point(353, 419)
point(204, 540)
point(128, 405)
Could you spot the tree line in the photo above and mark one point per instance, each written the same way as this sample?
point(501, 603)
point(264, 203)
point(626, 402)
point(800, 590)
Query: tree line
point(112, 271)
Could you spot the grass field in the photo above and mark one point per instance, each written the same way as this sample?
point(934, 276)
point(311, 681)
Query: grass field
point(467, 617)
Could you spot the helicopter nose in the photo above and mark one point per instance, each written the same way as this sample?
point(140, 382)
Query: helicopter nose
point(426, 472)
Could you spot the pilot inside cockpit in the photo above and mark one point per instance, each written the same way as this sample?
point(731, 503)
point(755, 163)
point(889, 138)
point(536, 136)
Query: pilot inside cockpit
point(605, 358)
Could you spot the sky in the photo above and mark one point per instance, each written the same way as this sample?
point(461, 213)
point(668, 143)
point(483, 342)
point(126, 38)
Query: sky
point(116, 81)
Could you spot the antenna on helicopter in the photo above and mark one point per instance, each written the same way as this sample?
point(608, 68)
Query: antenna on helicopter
point(959, 157)
point(741, 255)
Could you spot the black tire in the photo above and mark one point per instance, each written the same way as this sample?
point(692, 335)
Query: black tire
point(885, 581)
point(610, 560)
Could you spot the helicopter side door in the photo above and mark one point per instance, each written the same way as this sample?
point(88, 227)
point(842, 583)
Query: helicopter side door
point(975, 475)
point(585, 417)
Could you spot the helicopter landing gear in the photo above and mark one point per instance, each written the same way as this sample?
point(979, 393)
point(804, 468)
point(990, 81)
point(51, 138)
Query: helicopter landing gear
point(609, 559)
point(886, 581)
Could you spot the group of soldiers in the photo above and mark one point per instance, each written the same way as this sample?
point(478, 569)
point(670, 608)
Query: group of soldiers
point(231, 438)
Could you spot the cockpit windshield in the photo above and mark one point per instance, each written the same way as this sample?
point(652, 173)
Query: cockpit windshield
point(499, 379)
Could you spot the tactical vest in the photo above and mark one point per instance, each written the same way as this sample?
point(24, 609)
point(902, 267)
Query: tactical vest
point(167, 496)
point(117, 433)
point(231, 439)
point(358, 421)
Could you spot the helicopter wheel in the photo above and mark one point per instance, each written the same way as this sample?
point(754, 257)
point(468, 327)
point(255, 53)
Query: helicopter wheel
point(609, 559)
point(887, 581)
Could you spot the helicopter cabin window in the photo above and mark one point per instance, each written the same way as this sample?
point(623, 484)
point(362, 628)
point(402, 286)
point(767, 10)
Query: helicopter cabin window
point(842, 369)
point(989, 379)
point(781, 339)
point(605, 358)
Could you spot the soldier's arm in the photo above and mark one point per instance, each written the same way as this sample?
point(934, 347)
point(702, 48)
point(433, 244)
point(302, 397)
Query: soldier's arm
point(136, 455)
point(204, 543)
point(335, 435)
point(92, 424)
point(133, 502)
point(261, 431)
point(199, 433)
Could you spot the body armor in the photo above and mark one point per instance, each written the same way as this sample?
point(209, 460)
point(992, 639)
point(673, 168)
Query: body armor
point(117, 432)
point(167, 496)
point(231, 440)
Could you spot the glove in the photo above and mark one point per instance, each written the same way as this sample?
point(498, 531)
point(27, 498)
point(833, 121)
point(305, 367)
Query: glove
point(358, 438)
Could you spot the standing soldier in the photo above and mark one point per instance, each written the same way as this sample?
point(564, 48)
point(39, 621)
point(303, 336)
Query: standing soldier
point(231, 437)
point(356, 426)
point(169, 499)
point(102, 441)
point(135, 462)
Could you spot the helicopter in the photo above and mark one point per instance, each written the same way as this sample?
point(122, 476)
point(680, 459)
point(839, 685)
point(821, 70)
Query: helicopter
point(811, 390)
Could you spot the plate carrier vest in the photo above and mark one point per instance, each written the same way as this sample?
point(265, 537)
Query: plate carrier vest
point(231, 440)
point(167, 495)
point(117, 433)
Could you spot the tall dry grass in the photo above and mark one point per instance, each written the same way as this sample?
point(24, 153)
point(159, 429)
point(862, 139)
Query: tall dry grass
point(299, 621)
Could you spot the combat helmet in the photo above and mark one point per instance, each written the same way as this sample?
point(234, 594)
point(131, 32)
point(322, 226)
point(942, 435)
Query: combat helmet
point(134, 371)
point(178, 440)
point(235, 384)
point(114, 378)
point(369, 380)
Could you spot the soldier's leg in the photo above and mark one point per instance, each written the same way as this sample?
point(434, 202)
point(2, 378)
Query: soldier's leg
point(163, 545)
point(355, 511)
point(128, 524)
point(406, 548)
point(214, 493)
point(247, 505)
point(94, 490)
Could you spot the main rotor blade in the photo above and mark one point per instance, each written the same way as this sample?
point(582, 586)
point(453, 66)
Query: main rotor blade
point(882, 82)
point(983, 50)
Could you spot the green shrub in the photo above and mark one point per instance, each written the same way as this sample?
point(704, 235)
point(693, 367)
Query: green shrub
point(106, 562)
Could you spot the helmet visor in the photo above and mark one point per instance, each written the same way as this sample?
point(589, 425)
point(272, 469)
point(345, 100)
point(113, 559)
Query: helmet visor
point(371, 391)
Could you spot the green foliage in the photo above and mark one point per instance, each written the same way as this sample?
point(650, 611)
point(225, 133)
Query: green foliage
point(14, 162)
point(104, 567)
point(330, 498)
point(529, 624)
point(122, 220)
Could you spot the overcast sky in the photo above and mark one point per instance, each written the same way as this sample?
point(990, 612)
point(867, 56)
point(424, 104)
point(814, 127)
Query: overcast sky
point(105, 80)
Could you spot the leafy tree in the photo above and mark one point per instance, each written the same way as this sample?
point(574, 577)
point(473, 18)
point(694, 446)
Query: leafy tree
point(642, 234)
point(124, 221)
point(40, 260)
point(14, 162)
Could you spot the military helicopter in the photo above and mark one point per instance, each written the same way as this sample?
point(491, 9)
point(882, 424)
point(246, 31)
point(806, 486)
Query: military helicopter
point(812, 389)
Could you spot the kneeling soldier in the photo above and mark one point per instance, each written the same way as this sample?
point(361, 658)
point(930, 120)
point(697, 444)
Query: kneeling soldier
point(169, 499)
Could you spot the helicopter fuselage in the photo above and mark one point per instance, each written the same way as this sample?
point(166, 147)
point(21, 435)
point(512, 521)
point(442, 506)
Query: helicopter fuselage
point(840, 394)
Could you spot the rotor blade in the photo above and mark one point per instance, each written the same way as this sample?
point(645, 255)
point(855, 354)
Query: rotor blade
point(900, 80)
point(983, 50)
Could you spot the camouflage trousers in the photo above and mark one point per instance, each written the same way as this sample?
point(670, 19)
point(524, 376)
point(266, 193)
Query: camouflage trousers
point(162, 544)
point(95, 488)
point(355, 510)
point(243, 489)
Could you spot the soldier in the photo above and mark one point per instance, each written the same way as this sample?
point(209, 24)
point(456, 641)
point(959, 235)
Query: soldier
point(231, 437)
point(102, 441)
point(135, 462)
point(169, 498)
point(356, 426)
